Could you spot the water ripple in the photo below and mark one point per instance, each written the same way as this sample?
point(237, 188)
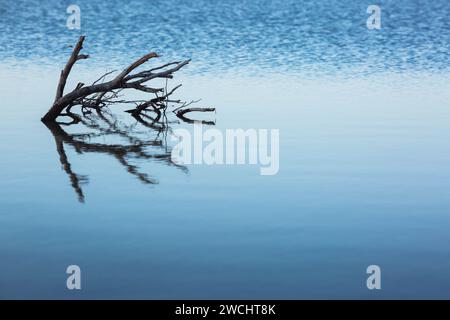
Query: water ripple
point(289, 36)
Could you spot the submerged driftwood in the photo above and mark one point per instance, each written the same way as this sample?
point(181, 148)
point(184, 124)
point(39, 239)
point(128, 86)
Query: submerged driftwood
point(133, 146)
point(100, 94)
point(141, 141)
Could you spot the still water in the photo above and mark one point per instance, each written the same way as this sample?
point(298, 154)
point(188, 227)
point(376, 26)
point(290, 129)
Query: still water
point(364, 120)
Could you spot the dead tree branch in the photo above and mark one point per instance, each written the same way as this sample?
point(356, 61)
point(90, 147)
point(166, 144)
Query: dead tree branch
point(144, 140)
point(102, 93)
point(182, 112)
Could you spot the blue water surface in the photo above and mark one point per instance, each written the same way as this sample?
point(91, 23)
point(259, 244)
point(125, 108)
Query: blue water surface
point(364, 120)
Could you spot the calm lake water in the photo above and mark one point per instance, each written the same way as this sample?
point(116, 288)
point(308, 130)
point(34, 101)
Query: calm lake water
point(364, 120)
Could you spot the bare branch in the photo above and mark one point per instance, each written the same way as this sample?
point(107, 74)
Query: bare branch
point(181, 114)
point(103, 76)
point(135, 64)
point(74, 57)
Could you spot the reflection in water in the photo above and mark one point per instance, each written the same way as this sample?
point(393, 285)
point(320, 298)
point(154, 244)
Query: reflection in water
point(143, 139)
